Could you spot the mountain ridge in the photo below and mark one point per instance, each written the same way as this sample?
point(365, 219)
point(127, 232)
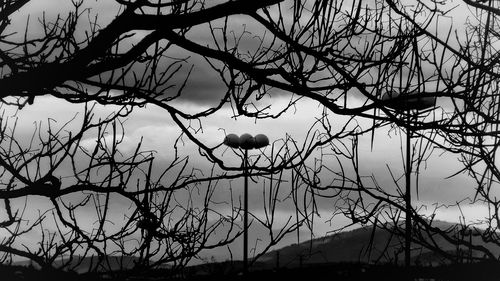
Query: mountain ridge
point(364, 245)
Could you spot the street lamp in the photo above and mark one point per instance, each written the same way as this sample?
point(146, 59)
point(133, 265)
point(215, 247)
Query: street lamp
point(406, 103)
point(246, 142)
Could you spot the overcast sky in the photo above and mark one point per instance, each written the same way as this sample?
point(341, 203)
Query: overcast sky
point(204, 88)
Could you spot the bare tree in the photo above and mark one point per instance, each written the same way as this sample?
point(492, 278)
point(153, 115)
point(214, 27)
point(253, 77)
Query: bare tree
point(343, 55)
point(171, 215)
point(417, 57)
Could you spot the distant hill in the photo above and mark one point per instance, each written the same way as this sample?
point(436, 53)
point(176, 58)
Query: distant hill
point(86, 264)
point(354, 246)
point(345, 247)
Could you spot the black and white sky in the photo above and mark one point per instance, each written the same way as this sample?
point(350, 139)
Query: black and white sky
point(205, 88)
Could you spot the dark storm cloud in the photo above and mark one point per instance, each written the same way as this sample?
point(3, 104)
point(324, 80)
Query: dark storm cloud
point(203, 86)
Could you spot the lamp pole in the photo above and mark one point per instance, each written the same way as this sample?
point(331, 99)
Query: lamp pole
point(246, 142)
point(408, 192)
point(407, 103)
point(245, 212)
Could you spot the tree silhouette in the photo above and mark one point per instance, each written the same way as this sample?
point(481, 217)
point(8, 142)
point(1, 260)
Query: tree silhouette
point(416, 58)
point(171, 215)
point(343, 56)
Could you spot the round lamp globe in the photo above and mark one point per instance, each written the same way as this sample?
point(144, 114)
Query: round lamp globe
point(247, 141)
point(232, 140)
point(261, 140)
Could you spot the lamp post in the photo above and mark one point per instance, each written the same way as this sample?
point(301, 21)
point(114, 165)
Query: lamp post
point(246, 142)
point(407, 103)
